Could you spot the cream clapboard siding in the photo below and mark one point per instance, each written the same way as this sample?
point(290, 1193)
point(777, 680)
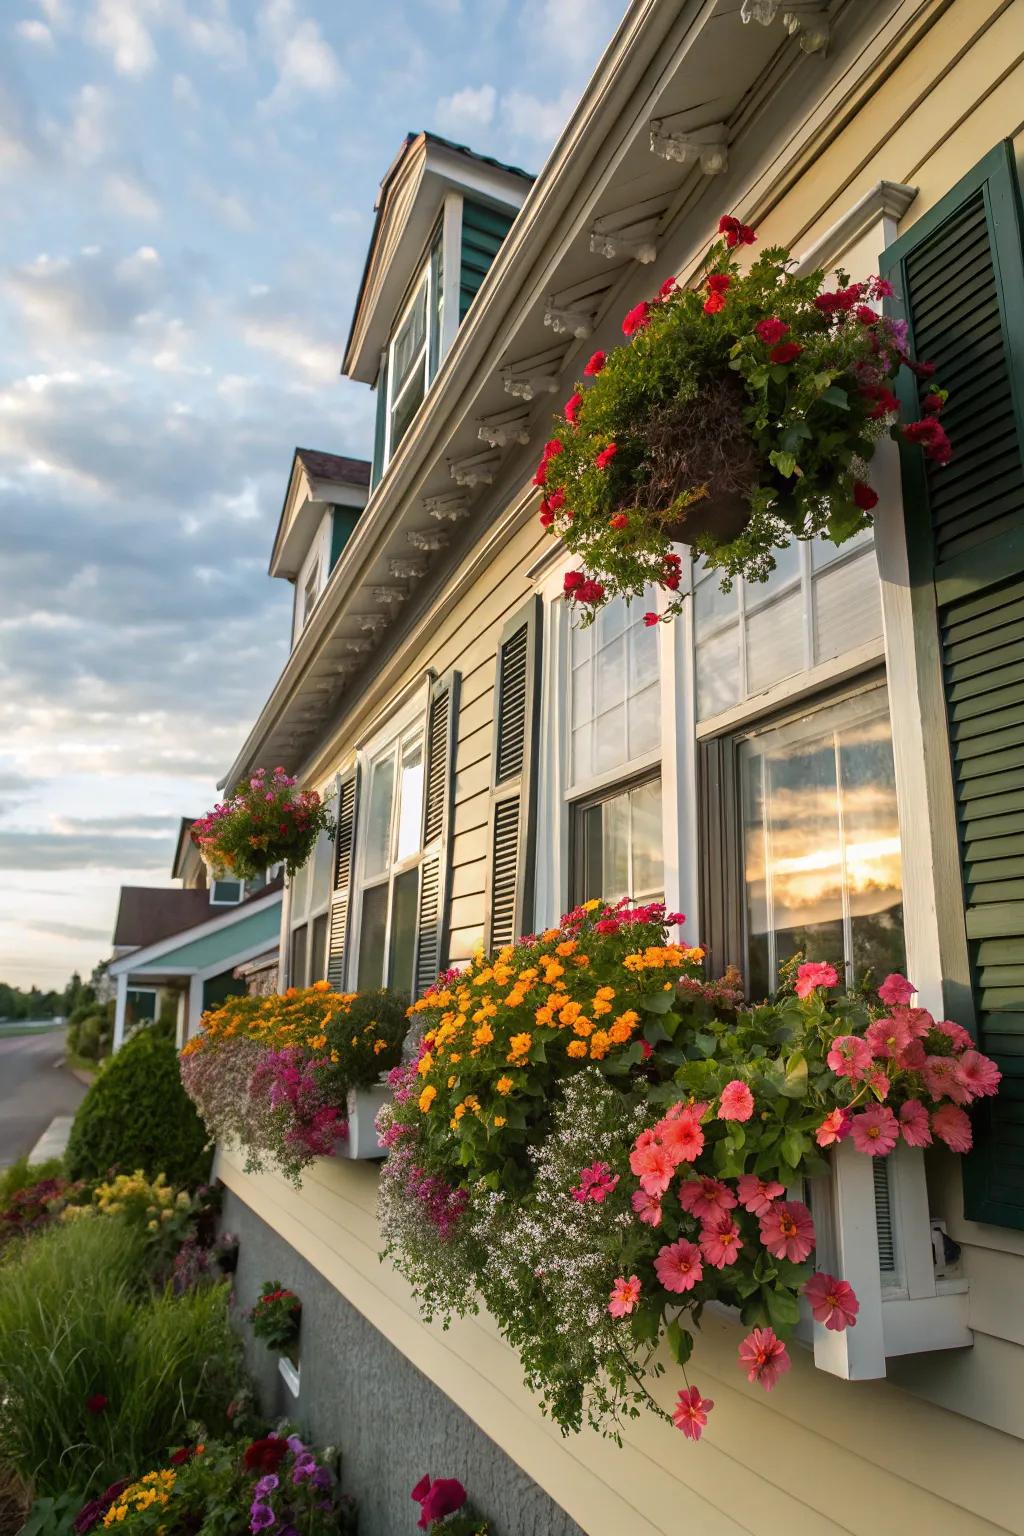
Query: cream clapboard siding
point(818, 1458)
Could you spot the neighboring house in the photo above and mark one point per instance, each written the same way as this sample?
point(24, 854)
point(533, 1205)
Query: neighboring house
point(183, 944)
point(833, 761)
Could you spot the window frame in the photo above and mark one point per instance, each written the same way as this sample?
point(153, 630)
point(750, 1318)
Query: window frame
point(312, 909)
point(578, 808)
point(154, 993)
point(431, 349)
point(222, 902)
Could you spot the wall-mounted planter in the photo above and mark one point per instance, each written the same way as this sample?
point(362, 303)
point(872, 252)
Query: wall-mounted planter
point(290, 1371)
point(363, 1104)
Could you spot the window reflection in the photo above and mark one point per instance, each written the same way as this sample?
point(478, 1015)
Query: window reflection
point(620, 846)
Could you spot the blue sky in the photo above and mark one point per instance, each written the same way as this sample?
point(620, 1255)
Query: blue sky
point(187, 191)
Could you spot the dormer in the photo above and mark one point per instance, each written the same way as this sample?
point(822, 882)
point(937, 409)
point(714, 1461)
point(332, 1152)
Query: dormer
point(326, 493)
point(442, 213)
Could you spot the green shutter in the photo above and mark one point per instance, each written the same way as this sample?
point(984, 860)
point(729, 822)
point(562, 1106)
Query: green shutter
point(440, 737)
point(959, 276)
point(483, 230)
point(343, 525)
point(381, 424)
point(512, 832)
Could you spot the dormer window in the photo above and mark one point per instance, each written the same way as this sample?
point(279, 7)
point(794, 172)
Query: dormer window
point(413, 353)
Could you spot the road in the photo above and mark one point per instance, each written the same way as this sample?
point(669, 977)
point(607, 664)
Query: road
point(33, 1088)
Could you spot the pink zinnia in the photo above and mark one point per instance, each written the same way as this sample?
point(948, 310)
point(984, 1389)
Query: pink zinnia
point(705, 1197)
point(978, 1074)
point(682, 1136)
point(955, 1032)
point(647, 1208)
point(942, 1080)
point(720, 1241)
point(832, 1302)
point(914, 1124)
point(896, 989)
point(756, 1195)
point(624, 1297)
point(764, 1357)
point(875, 1130)
point(954, 1128)
point(850, 1056)
point(815, 974)
point(653, 1166)
point(691, 1412)
point(888, 1037)
point(787, 1230)
point(737, 1101)
point(678, 1265)
point(835, 1127)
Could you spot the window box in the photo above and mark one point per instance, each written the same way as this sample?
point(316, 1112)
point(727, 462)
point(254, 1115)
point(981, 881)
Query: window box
point(363, 1104)
point(290, 1372)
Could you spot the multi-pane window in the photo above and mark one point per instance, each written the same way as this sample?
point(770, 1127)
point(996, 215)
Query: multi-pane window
point(390, 836)
point(820, 602)
point(310, 895)
point(415, 348)
point(618, 845)
point(821, 842)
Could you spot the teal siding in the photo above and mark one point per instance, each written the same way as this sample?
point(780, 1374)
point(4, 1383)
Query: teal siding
point(483, 230)
point(343, 522)
point(224, 946)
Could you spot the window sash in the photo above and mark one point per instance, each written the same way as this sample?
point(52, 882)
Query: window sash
point(584, 668)
point(580, 883)
point(403, 748)
point(422, 362)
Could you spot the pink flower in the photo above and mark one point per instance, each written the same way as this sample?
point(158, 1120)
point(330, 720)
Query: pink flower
point(787, 1230)
point(896, 989)
point(850, 1056)
point(888, 1038)
point(624, 1296)
point(678, 1265)
point(955, 1032)
point(832, 1302)
point(764, 1357)
point(604, 458)
point(737, 1101)
point(919, 1021)
point(978, 1074)
point(653, 1165)
point(720, 1241)
point(814, 974)
point(875, 1130)
point(691, 1412)
point(647, 1208)
point(682, 1136)
point(705, 1197)
point(594, 366)
point(913, 1058)
point(914, 1124)
point(637, 319)
point(941, 1079)
point(954, 1128)
point(756, 1195)
point(596, 1182)
point(878, 1083)
point(835, 1127)
point(444, 1496)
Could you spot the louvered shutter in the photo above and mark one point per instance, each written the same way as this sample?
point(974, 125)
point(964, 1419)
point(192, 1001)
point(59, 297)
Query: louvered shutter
point(960, 277)
point(511, 830)
point(341, 885)
point(440, 737)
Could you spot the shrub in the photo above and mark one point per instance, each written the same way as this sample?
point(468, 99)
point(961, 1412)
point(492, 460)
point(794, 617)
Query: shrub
point(88, 1041)
point(21, 1175)
point(136, 1115)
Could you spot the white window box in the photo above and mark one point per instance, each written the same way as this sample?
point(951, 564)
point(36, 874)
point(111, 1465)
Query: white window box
point(363, 1103)
point(875, 1232)
point(290, 1372)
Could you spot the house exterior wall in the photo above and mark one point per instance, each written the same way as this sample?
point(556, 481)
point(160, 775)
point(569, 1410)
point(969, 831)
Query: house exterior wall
point(935, 1446)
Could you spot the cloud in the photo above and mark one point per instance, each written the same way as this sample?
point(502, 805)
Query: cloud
point(467, 109)
point(31, 30)
point(111, 850)
point(88, 135)
point(88, 295)
point(288, 339)
point(58, 930)
point(127, 195)
point(538, 118)
point(184, 92)
point(306, 63)
point(119, 28)
point(578, 29)
point(228, 207)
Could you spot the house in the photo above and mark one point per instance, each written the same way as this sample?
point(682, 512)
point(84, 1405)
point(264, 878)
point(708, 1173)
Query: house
point(831, 761)
point(182, 945)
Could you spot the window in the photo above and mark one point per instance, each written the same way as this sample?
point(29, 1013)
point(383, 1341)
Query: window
point(617, 845)
point(140, 1006)
point(310, 895)
point(414, 351)
point(819, 602)
point(226, 893)
point(390, 864)
point(820, 841)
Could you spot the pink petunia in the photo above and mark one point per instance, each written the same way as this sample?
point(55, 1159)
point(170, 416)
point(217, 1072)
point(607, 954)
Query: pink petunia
point(691, 1412)
point(914, 1124)
point(832, 1302)
point(624, 1296)
point(756, 1195)
point(913, 1058)
point(875, 1130)
point(705, 1197)
point(835, 1127)
point(682, 1136)
point(678, 1265)
point(952, 1126)
point(918, 1020)
point(956, 1033)
point(647, 1208)
point(764, 1357)
point(814, 974)
point(787, 1230)
point(896, 989)
point(978, 1074)
point(653, 1166)
point(596, 1183)
point(737, 1101)
point(941, 1079)
point(720, 1241)
point(888, 1037)
point(850, 1056)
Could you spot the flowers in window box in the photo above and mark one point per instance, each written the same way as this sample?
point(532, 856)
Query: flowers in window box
point(263, 823)
point(276, 1316)
point(442, 1502)
point(743, 413)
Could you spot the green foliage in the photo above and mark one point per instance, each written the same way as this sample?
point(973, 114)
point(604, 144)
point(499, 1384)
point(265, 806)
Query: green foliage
point(277, 1316)
point(263, 823)
point(18, 1176)
point(137, 1115)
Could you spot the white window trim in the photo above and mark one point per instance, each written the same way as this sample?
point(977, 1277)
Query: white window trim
point(223, 881)
point(328, 792)
point(439, 317)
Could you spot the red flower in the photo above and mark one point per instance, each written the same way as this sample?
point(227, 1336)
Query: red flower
point(650, 619)
point(540, 476)
point(785, 352)
point(713, 303)
point(595, 365)
point(930, 435)
point(589, 592)
point(620, 520)
point(604, 458)
point(179, 1458)
point(552, 449)
point(885, 402)
point(866, 315)
point(667, 289)
point(265, 1455)
point(572, 405)
point(920, 370)
point(638, 318)
point(932, 403)
point(863, 496)
point(735, 233)
point(839, 303)
point(437, 1499)
point(718, 283)
point(772, 330)
point(547, 517)
point(96, 1404)
point(571, 581)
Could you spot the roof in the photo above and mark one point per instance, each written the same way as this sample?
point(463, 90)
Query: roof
point(334, 466)
point(316, 479)
point(146, 914)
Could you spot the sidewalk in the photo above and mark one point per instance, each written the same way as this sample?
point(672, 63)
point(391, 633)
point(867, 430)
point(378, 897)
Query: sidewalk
point(53, 1142)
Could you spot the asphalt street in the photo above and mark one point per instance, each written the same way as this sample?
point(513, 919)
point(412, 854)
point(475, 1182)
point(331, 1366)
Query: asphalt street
point(33, 1088)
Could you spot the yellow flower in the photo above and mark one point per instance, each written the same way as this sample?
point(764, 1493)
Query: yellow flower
point(499, 1120)
point(583, 1026)
point(567, 947)
point(591, 905)
point(504, 1085)
point(544, 1015)
point(427, 1098)
point(452, 1081)
point(600, 1044)
point(378, 1046)
point(576, 1048)
point(424, 1064)
point(460, 1110)
point(321, 986)
point(519, 1046)
point(317, 1042)
point(483, 1035)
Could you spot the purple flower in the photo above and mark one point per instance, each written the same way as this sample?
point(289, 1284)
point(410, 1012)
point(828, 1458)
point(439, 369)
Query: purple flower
point(267, 1484)
point(296, 1446)
point(260, 1517)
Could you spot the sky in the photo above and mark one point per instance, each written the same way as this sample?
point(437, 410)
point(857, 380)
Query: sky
point(187, 193)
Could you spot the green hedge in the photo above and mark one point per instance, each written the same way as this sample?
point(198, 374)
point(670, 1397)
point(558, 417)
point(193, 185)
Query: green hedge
point(137, 1115)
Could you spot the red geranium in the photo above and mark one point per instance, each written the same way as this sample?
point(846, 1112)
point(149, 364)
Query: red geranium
point(785, 352)
point(735, 233)
point(637, 318)
point(863, 496)
point(594, 366)
point(771, 330)
point(437, 1499)
point(265, 1455)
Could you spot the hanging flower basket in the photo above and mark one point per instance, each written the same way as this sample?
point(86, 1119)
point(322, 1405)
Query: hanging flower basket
point(264, 823)
point(742, 414)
